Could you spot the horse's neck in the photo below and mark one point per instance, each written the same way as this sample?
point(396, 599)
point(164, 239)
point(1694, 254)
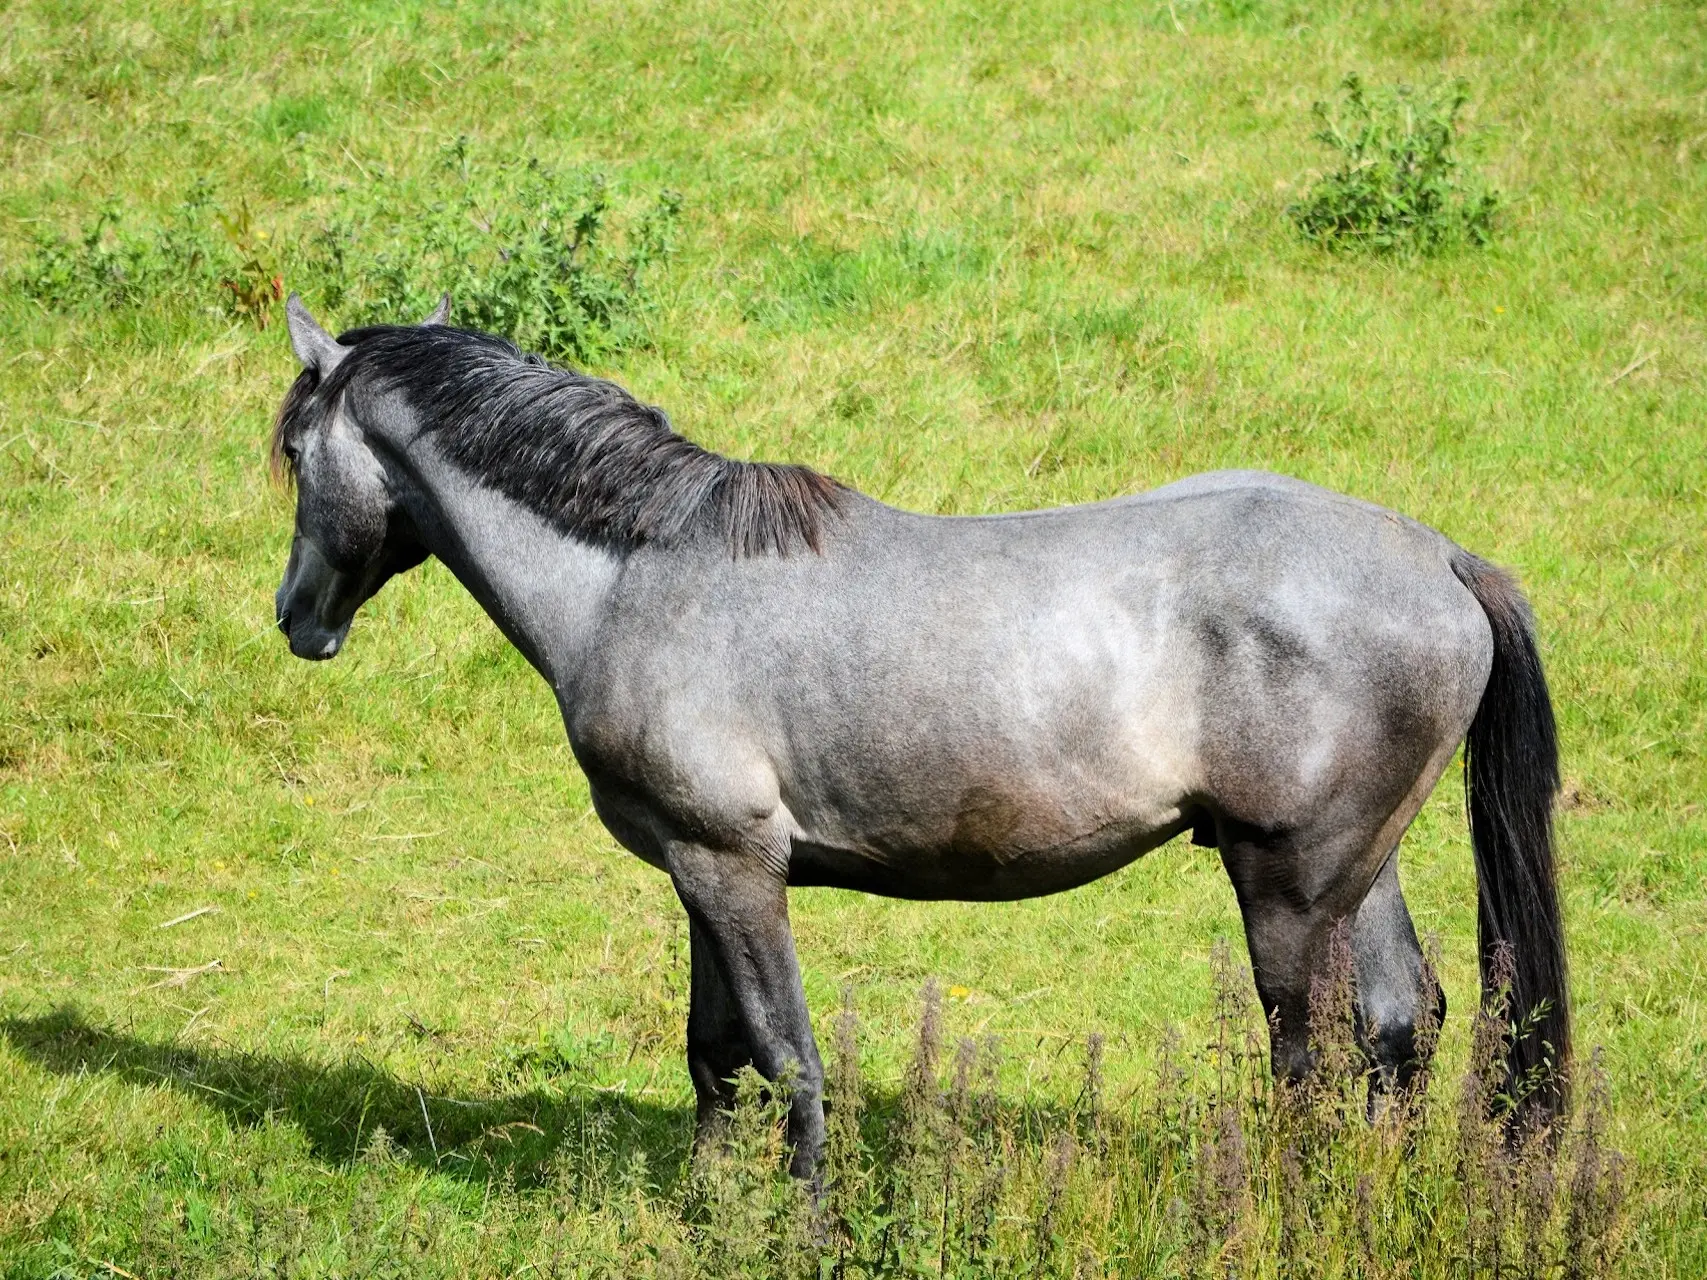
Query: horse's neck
point(545, 590)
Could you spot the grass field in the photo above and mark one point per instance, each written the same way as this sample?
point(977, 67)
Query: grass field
point(967, 258)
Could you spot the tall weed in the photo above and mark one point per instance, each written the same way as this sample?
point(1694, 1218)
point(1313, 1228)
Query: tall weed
point(1213, 1171)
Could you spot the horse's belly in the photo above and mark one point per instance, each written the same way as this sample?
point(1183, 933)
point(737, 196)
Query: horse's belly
point(966, 871)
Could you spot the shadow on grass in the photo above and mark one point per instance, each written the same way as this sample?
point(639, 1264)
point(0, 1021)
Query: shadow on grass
point(574, 1131)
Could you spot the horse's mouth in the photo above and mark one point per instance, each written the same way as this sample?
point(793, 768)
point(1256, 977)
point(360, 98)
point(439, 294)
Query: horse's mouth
point(311, 642)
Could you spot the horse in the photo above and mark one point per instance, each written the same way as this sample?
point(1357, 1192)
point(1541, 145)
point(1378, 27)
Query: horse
point(770, 679)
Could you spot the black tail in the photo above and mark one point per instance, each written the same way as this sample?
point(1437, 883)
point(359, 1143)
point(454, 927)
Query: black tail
point(1511, 773)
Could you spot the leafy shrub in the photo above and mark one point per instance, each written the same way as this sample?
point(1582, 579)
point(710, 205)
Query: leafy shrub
point(541, 256)
point(1400, 185)
point(547, 258)
point(109, 265)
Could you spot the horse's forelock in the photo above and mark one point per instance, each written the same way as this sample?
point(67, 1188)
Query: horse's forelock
point(290, 412)
point(299, 400)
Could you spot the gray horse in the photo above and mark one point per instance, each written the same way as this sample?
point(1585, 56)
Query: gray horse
point(772, 680)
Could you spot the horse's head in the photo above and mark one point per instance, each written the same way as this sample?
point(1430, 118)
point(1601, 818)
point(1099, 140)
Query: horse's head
point(351, 533)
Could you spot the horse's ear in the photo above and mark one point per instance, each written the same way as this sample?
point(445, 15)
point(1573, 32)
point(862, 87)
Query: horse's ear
point(441, 313)
point(314, 347)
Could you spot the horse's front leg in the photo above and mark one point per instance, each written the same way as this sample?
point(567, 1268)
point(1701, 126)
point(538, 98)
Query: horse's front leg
point(747, 1002)
point(717, 1038)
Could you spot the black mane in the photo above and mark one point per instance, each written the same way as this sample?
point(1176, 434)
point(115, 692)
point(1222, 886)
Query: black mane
point(578, 450)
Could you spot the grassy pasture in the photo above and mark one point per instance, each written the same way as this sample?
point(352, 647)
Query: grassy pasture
point(967, 258)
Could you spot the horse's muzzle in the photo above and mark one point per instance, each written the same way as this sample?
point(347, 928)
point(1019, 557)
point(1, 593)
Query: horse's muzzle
point(309, 640)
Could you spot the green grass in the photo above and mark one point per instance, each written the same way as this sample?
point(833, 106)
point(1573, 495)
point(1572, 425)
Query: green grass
point(967, 258)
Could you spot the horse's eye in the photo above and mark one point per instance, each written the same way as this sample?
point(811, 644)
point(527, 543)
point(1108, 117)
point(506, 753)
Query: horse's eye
point(290, 454)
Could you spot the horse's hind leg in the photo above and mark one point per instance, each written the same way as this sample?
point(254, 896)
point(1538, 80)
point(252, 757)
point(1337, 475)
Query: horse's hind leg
point(1295, 887)
point(1392, 987)
point(1291, 896)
